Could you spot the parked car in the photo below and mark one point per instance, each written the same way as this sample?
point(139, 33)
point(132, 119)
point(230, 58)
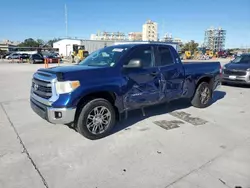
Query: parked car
point(238, 70)
point(13, 56)
point(53, 59)
point(55, 54)
point(3, 54)
point(25, 56)
point(92, 95)
point(6, 56)
point(36, 58)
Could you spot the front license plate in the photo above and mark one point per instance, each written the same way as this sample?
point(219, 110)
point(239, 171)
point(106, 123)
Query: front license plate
point(232, 77)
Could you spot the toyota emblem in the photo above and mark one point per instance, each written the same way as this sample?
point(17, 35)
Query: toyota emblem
point(36, 87)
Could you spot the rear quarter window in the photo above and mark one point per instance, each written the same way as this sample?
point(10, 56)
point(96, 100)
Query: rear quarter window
point(165, 56)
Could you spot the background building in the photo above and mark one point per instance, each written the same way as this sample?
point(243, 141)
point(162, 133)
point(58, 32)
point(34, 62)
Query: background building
point(65, 46)
point(135, 36)
point(168, 38)
point(114, 36)
point(215, 39)
point(177, 40)
point(7, 45)
point(6, 41)
point(150, 31)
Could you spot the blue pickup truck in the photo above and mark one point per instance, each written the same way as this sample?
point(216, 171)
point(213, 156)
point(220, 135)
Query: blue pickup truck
point(94, 94)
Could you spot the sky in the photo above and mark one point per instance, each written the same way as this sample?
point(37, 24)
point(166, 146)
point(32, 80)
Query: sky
point(185, 19)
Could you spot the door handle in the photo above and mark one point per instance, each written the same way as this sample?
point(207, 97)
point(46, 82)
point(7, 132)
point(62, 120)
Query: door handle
point(154, 73)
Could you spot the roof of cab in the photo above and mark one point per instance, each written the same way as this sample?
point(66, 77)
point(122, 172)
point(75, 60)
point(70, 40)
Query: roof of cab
point(130, 45)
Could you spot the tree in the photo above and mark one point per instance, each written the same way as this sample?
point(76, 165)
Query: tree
point(50, 42)
point(190, 46)
point(29, 43)
point(40, 42)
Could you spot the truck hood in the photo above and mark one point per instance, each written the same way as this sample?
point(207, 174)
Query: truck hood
point(68, 69)
point(77, 72)
point(237, 66)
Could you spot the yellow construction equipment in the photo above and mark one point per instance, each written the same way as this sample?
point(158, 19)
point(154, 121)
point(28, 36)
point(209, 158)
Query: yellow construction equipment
point(79, 53)
point(197, 54)
point(188, 55)
point(210, 53)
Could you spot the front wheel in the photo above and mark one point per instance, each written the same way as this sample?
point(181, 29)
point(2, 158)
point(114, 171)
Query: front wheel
point(203, 96)
point(96, 119)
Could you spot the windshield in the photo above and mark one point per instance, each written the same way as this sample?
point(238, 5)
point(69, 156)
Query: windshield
point(106, 57)
point(242, 59)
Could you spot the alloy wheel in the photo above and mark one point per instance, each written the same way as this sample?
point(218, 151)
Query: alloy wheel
point(204, 95)
point(98, 120)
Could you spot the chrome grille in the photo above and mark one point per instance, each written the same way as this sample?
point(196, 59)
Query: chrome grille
point(235, 72)
point(41, 88)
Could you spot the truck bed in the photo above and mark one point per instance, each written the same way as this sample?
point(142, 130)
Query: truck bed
point(196, 67)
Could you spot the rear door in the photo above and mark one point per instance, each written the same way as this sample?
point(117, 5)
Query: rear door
point(142, 86)
point(171, 71)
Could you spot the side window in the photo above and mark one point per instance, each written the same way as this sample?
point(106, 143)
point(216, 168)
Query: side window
point(165, 56)
point(144, 54)
point(36, 56)
point(246, 58)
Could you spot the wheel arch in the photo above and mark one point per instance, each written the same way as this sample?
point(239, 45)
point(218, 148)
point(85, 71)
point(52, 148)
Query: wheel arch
point(108, 95)
point(206, 78)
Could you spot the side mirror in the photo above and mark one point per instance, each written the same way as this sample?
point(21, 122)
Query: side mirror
point(133, 63)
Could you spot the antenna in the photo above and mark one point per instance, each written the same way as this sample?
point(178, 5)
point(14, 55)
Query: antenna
point(66, 20)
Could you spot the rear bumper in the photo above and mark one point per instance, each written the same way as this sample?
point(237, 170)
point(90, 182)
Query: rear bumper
point(53, 115)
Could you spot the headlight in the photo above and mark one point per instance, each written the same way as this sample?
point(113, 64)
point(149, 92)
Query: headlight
point(66, 87)
point(248, 69)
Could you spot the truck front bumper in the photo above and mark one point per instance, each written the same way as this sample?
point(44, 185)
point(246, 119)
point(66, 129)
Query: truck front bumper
point(53, 115)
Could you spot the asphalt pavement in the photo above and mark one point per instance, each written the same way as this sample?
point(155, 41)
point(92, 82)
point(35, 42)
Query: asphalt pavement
point(174, 146)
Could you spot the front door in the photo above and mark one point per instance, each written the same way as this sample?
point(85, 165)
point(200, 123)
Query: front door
point(143, 85)
point(172, 73)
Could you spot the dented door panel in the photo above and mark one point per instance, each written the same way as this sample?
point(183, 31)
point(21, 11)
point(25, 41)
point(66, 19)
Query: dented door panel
point(143, 88)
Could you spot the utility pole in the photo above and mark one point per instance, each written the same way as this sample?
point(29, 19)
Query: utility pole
point(66, 20)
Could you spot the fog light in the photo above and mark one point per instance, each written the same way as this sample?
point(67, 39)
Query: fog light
point(58, 115)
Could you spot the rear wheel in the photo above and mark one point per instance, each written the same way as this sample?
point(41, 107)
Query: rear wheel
point(96, 119)
point(203, 96)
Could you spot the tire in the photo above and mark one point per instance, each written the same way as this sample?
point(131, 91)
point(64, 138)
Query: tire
point(202, 102)
point(87, 111)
